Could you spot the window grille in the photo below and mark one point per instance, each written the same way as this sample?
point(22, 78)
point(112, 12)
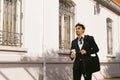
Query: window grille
point(10, 33)
point(66, 21)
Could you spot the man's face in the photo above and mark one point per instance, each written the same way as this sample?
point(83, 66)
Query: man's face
point(79, 30)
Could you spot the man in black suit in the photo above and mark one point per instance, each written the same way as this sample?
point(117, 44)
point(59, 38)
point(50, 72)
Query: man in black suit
point(82, 48)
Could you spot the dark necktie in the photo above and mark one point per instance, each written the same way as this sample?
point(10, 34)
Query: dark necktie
point(81, 40)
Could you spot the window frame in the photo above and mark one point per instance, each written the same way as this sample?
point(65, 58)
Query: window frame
point(11, 34)
point(19, 20)
point(68, 11)
point(109, 36)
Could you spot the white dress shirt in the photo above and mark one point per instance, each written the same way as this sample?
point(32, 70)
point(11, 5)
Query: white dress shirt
point(80, 45)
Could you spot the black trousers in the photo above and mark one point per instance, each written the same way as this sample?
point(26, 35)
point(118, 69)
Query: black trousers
point(77, 73)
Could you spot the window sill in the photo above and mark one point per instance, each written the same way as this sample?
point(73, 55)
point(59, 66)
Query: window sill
point(111, 56)
point(12, 49)
point(64, 52)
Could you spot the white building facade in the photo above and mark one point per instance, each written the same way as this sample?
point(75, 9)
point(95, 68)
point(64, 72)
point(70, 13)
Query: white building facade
point(35, 37)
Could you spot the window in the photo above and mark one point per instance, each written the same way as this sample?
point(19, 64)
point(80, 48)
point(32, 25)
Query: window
point(10, 29)
point(109, 36)
point(66, 21)
point(96, 9)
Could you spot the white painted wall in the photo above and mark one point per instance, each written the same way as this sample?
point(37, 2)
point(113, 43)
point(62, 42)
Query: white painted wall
point(96, 25)
point(41, 36)
point(33, 26)
point(41, 26)
point(51, 26)
point(105, 13)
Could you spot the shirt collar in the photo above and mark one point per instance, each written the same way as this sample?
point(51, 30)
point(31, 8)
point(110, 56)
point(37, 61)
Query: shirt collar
point(82, 37)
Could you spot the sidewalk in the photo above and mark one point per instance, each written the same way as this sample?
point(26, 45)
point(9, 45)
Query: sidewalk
point(113, 79)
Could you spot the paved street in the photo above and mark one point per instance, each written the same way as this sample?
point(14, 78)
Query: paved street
point(113, 79)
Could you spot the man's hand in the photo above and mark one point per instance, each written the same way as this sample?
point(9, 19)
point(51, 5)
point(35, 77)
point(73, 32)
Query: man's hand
point(72, 55)
point(83, 51)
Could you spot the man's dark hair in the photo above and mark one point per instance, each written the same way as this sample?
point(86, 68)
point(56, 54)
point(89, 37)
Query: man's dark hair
point(81, 25)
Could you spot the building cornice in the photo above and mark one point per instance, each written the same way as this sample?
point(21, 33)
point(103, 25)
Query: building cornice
point(110, 5)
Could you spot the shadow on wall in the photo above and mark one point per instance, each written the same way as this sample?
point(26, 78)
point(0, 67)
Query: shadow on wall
point(33, 68)
point(118, 56)
point(58, 71)
point(51, 53)
point(111, 68)
point(21, 71)
point(53, 66)
point(35, 72)
point(4, 76)
point(57, 68)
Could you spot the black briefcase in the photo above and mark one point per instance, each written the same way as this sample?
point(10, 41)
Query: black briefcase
point(92, 63)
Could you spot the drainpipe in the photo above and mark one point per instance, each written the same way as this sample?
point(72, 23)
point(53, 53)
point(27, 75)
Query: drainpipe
point(43, 44)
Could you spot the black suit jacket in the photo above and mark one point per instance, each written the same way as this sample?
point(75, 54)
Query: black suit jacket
point(91, 48)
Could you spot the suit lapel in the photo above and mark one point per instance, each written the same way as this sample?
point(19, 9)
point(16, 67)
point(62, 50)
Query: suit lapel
point(85, 43)
point(76, 43)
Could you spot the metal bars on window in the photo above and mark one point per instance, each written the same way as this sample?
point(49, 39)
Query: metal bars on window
point(9, 35)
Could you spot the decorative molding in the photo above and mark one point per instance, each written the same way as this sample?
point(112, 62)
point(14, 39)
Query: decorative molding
point(12, 49)
point(70, 2)
point(110, 5)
